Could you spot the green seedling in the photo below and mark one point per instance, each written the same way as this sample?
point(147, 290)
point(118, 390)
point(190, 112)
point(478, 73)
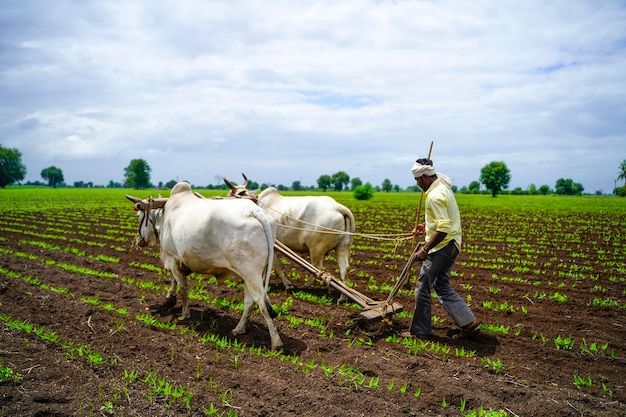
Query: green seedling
point(582, 381)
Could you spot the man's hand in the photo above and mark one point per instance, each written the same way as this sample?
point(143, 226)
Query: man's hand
point(421, 254)
point(419, 229)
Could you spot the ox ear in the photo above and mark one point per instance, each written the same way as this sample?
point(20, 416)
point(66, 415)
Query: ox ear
point(245, 184)
point(133, 199)
point(139, 206)
point(230, 184)
point(158, 203)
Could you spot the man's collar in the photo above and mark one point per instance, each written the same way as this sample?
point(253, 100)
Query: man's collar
point(433, 185)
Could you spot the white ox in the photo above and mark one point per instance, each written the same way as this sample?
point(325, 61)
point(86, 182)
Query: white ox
point(315, 224)
point(221, 237)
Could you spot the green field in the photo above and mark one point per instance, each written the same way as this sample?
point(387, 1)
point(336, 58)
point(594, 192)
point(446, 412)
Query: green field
point(27, 198)
point(545, 274)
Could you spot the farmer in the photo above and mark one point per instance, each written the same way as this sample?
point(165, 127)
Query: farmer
point(443, 242)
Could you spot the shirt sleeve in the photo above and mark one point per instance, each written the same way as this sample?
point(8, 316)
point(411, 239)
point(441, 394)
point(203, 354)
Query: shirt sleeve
point(439, 207)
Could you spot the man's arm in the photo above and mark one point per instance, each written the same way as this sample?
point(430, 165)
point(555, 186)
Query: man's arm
point(437, 238)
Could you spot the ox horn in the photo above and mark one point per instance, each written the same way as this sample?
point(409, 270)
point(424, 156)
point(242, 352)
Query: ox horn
point(230, 184)
point(133, 199)
point(245, 184)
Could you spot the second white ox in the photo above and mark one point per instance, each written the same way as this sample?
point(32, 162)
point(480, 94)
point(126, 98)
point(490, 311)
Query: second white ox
point(317, 224)
point(206, 236)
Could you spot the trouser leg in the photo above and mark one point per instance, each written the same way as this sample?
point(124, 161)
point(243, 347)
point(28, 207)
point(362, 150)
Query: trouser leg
point(452, 302)
point(432, 267)
point(435, 274)
point(421, 322)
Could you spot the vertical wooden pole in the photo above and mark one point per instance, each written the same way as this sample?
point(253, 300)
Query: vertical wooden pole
point(419, 206)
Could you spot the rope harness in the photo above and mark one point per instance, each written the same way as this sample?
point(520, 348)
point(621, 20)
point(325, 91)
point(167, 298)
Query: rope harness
point(323, 229)
point(147, 218)
point(391, 237)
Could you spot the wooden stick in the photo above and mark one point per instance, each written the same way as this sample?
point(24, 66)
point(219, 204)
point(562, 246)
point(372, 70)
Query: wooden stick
point(419, 206)
point(405, 271)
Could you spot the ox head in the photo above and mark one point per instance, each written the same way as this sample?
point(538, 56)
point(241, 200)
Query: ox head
point(148, 212)
point(240, 191)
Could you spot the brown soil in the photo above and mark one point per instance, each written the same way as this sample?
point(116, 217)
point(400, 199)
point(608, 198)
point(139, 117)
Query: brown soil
point(537, 378)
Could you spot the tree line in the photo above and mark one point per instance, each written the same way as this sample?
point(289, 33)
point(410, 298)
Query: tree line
point(494, 177)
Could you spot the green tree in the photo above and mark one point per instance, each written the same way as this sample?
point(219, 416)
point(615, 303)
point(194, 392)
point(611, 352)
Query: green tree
point(11, 167)
point(622, 172)
point(474, 187)
point(567, 186)
point(53, 175)
point(340, 180)
point(532, 189)
point(364, 192)
point(386, 185)
point(296, 185)
point(355, 182)
point(495, 176)
point(137, 174)
point(324, 182)
point(544, 189)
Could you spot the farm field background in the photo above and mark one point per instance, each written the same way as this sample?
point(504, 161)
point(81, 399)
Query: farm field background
point(546, 276)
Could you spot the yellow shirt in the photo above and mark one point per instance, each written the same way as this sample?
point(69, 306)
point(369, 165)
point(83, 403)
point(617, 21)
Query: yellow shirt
point(442, 214)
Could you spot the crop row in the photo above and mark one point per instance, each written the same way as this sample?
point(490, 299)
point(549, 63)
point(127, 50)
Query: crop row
point(198, 292)
point(159, 387)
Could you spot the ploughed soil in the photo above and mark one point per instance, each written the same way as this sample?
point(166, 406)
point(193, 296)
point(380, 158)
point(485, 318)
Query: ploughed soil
point(341, 367)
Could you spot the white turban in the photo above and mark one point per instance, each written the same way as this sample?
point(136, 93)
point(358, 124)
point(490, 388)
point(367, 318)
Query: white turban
point(418, 170)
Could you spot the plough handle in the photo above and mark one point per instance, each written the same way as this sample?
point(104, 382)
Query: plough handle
point(405, 273)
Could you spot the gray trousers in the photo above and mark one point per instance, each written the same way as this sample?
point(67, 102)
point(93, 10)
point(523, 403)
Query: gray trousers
point(435, 274)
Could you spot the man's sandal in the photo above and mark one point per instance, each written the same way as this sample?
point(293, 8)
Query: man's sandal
point(471, 329)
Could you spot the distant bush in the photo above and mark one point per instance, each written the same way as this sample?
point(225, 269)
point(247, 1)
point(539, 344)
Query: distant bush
point(620, 191)
point(364, 192)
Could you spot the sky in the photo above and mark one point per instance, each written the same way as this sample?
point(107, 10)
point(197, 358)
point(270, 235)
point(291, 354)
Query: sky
point(290, 90)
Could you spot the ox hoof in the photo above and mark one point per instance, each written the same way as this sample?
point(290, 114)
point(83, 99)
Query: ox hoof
point(169, 302)
point(184, 319)
point(237, 332)
point(277, 346)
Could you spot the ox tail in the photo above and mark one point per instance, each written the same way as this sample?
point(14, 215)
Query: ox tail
point(349, 225)
point(269, 235)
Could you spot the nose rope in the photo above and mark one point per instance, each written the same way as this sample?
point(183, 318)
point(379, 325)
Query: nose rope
point(148, 219)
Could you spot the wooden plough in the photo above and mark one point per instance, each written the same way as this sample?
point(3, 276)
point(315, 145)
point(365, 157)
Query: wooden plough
point(372, 309)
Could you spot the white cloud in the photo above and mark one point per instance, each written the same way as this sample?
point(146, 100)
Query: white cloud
point(309, 88)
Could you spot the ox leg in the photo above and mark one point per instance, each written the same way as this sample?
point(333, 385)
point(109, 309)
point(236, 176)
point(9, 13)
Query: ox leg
point(317, 259)
point(343, 254)
point(172, 291)
point(277, 343)
point(181, 280)
point(257, 294)
point(278, 268)
point(247, 305)
point(170, 299)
